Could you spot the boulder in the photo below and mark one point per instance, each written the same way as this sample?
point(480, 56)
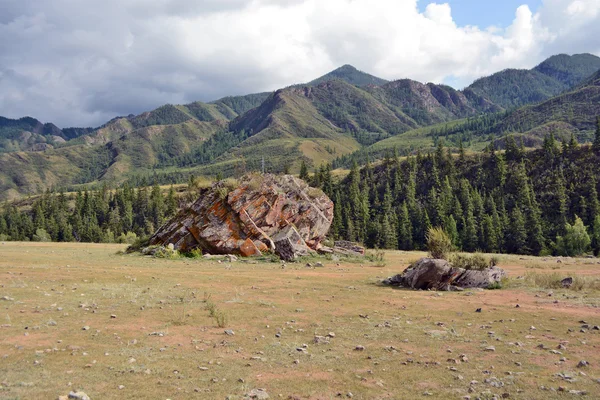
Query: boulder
point(244, 221)
point(348, 248)
point(567, 282)
point(289, 245)
point(433, 274)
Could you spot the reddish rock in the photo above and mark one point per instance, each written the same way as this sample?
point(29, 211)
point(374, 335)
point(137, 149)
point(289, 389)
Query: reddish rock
point(244, 221)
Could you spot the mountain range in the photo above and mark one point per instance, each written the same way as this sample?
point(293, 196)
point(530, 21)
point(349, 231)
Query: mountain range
point(344, 113)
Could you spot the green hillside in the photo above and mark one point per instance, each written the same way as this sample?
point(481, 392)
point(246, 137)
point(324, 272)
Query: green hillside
point(351, 75)
point(513, 88)
point(343, 116)
point(32, 135)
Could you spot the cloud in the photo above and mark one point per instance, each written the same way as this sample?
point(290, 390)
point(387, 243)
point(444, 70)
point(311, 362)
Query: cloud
point(82, 62)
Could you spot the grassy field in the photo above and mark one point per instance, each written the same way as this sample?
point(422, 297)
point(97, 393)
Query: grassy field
point(81, 316)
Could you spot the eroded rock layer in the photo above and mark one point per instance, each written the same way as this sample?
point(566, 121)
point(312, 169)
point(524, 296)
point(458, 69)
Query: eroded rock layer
point(245, 220)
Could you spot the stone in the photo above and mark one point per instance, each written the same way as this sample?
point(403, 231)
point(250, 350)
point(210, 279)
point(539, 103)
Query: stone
point(434, 274)
point(243, 221)
point(567, 282)
point(78, 396)
point(582, 364)
point(348, 248)
point(289, 245)
point(321, 340)
point(257, 394)
point(229, 332)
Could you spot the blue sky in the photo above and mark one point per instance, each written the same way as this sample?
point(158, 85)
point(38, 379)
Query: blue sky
point(484, 13)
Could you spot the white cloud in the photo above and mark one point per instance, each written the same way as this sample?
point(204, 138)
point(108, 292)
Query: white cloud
point(81, 62)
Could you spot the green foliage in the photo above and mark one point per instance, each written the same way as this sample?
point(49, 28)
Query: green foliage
point(487, 202)
point(127, 238)
point(439, 243)
point(351, 75)
point(41, 236)
point(575, 241)
point(194, 253)
point(475, 262)
point(221, 318)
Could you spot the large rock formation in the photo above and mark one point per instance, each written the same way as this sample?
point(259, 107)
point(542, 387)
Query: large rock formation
point(264, 211)
point(429, 273)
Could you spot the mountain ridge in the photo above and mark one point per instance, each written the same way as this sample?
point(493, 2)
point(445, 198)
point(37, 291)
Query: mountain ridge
point(331, 117)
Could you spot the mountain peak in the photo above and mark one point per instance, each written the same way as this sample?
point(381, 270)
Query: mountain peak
point(350, 74)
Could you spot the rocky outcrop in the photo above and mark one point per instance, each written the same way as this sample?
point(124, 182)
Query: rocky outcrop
point(433, 274)
point(252, 218)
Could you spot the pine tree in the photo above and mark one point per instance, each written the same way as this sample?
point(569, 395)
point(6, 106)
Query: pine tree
point(405, 235)
point(596, 144)
point(304, 172)
point(451, 229)
point(517, 233)
point(596, 235)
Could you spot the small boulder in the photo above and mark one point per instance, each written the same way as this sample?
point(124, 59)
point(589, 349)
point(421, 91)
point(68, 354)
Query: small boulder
point(567, 282)
point(79, 396)
point(257, 394)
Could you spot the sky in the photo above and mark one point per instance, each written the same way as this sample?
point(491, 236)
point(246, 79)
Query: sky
point(83, 62)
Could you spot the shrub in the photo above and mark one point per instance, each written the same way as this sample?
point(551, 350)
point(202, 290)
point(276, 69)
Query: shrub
point(475, 262)
point(41, 236)
point(221, 319)
point(439, 243)
point(128, 238)
point(194, 253)
point(576, 240)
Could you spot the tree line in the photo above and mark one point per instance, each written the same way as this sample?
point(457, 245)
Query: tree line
point(536, 202)
point(105, 215)
point(523, 202)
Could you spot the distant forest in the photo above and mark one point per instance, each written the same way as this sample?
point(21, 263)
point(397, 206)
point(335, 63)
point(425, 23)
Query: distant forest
point(511, 201)
point(516, 201)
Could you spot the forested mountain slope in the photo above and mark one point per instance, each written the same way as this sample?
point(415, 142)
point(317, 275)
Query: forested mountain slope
point(513, 88)
point(513, 202)
point(326, 120)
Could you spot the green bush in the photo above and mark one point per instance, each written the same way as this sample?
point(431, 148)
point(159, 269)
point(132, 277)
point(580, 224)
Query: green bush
point(439, 243)
point(41, 236)
point(194, 253)
point(128, 238)
point(475, 262)
point(576, 240)
point(221, 318)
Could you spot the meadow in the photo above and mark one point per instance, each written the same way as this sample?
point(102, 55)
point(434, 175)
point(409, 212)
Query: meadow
point(126, 326)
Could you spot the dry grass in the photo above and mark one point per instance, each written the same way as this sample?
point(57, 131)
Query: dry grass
point(164, 342)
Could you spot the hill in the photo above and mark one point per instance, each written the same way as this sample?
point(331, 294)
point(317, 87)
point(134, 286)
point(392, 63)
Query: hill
point(333, 119)
point(351, 75)
point(29, 134)
point(513, 88)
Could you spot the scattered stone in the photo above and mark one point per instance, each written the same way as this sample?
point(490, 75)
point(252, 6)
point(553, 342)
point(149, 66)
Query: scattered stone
point(490, 348)
point(583, 364)
point(321, 340)
point(257, 394)
point(229, 332)
point(359, 348)
point(345, 247)
point(113, 316)
point(86, 328)
point(78, 396)
point(567, 282)
point(6, 298)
